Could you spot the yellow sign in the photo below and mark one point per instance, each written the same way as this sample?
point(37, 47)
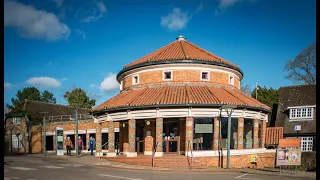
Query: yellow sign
point(253, 158)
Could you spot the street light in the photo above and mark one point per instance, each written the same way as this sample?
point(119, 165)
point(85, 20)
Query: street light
point(229, 109)
point(76, 106)
point(43, 114)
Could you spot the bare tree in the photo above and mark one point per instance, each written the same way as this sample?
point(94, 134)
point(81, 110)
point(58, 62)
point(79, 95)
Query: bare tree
point(246, 89)
point(303, 68)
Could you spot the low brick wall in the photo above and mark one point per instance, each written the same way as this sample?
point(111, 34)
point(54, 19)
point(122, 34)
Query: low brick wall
point(240, 161)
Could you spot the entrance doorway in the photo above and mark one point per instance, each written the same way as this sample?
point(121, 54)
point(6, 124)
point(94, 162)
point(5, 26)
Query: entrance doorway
point(104, 140)
point(171, 141)
point(49, 143)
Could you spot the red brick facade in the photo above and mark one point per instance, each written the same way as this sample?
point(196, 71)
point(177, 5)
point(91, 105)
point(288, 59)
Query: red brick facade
point(240, 132)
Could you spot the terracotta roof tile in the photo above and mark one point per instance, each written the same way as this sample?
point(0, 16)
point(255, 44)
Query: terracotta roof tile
point(180, 94)
point(180, 50)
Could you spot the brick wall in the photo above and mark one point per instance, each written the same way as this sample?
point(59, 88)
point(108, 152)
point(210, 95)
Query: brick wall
point(192, 76)
point(22, 129)
point(240, 161)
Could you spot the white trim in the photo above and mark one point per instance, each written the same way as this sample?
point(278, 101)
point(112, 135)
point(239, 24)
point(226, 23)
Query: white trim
point(50, 133)
point(232, 82)
point(293, 111)
point(81, 131)
point(91, 131)
point(205, 67)
point(104, 130)
point(163, 75)
point(208, 75)
point(68, 132)
point(184, 112)
point(294, 107)
point(133, 79)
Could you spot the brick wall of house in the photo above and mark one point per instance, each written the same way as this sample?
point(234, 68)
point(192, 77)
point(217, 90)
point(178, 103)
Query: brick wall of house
point(22, 129)
point(179, 76)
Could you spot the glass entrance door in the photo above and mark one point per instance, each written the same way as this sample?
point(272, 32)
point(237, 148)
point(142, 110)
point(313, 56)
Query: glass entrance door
point(171, 140)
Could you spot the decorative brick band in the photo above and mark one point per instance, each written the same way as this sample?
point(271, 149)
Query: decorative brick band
point(189, 133)
point(216, 130)
point(240, 132)
point(98, 137)
point(159, 132)
point(132, 135)
point(111, 147)
point(255, 133)
point(263, 134)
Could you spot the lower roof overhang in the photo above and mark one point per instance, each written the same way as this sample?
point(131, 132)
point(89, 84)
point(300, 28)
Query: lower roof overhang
point(189, 105)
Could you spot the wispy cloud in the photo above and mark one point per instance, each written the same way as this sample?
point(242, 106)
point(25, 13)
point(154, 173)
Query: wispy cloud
point(96, 13)
point(200, 7)
point(59, 3)
point(80, 33)
point(92, 85)
point(32, 23)
point(109, 83)
point(175, 20)
point(224, 4)
point(45, 82)
point(7, 85)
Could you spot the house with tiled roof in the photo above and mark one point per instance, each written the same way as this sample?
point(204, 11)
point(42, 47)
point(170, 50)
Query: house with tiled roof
point(171, 102)
point(296, 113)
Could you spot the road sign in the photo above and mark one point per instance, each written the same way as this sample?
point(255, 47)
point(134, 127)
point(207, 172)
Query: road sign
point(297, 127)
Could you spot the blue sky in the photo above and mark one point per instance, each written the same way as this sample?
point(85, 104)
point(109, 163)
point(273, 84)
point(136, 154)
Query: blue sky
point(56, 45)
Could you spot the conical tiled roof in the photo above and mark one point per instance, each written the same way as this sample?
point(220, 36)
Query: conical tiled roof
point(181, 50)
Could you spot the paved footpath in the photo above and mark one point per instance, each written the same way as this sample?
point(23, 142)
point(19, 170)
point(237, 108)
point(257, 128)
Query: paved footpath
point(37, 167)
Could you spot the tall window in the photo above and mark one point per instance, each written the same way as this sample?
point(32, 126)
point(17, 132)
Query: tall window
point(231, 80)
point(167, 75)
point(248, 134)
point(301, 113)
point(16, 141)
point(203, 134)
point(234, 133)
point(135, 79)
point(16, 120)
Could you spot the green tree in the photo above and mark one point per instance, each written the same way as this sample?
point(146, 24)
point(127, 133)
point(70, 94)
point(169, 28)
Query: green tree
point(48, 97)
point(30, 93)
point(266, 96)
point(303, 68)
point(79, 97)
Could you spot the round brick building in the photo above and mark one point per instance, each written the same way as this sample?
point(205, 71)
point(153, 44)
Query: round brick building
point(170, 103)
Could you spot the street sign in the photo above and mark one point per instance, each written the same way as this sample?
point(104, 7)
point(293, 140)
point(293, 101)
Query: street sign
point(297, 127)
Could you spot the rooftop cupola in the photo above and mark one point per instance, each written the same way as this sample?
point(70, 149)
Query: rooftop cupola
point(181, 38)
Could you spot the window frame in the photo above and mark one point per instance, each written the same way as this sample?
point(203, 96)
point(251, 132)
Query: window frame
point(16, 120)
point(133, 79)
point(231, 83)
point(164, 75)
point(15, 141)
point(121, 85)
point(208, 75)
point(295, 111)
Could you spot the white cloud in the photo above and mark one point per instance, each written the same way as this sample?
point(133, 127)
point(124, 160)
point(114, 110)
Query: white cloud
point(175, 20)
point(44, 82)
point(32, 23)
point(96, 13)
point(223, 4)
point(81, 33)
point(7, 85)
point(109, 83)
point(200, 7)
point(92, 85)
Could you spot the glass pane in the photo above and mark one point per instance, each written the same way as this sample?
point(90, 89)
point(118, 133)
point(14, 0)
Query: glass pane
point(173, 146)
point(203, 133)
point(248, 134)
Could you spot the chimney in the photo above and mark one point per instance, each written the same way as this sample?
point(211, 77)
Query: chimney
point(181, 38)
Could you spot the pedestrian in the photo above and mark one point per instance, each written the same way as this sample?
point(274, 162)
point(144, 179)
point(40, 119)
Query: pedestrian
point(80, 144)
point(69, 145)
point(91, 145)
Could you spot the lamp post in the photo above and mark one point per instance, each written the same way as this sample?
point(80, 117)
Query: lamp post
point(43, 114)
point(229, 109)
point(76, 106)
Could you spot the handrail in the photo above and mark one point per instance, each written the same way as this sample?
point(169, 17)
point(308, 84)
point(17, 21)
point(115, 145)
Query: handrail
point(101, 149)
point(154, 152)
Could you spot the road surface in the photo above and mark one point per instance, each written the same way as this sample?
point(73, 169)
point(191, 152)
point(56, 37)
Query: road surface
point(33, 168)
